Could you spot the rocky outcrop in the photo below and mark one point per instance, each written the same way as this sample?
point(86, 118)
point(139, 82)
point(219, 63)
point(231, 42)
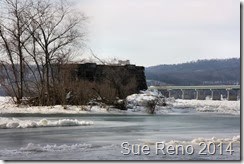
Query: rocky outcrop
point(119, 80)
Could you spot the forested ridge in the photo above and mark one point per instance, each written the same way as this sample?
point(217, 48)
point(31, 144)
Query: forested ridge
point(200, 72)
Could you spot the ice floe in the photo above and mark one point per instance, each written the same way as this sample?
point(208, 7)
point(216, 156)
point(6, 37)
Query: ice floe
point(234, 139)
point(11, 123)
point(54, 148)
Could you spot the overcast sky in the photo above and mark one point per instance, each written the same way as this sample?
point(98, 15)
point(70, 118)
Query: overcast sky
point(152, 32)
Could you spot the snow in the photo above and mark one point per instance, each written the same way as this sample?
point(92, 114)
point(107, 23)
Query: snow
point(136, 104)
point(224, 106)
point(7, 106)
point(12, 123)
point(139, 102)
point(143, 98)
point(140, 99)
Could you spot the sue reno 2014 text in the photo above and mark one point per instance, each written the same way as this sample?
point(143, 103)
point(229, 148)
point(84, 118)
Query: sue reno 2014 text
point(161, 148)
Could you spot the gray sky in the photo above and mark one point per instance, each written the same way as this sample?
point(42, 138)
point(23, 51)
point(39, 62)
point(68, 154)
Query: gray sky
point(152, 32)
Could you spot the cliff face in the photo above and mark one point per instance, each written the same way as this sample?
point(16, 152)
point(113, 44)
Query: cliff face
point(125, 80)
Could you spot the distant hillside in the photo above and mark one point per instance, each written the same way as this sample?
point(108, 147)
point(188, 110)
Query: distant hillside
point(201, 72)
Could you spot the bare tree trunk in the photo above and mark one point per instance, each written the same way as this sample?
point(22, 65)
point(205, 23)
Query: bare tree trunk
point(47, 79)
point(20, 60)
point(35, 32)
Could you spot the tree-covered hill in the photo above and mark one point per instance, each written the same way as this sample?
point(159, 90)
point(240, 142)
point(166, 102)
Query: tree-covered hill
point(201, 72)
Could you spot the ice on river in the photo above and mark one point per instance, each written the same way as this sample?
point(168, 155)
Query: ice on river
point(11, 123)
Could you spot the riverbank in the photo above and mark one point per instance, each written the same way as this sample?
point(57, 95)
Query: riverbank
point(173, 106)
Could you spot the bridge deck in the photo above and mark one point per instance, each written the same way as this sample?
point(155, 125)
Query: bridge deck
point(197, 87)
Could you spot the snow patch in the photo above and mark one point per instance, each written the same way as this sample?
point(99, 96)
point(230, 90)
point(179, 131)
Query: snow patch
point(139, 102)
point(7, 106)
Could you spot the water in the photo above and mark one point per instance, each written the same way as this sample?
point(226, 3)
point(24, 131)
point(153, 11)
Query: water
point(102, 141)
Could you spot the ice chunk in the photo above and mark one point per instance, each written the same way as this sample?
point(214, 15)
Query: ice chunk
point(7, 123)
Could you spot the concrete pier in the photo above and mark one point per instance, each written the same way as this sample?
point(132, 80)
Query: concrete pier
point(230, 92)
point(215, 95)
point(170, 92)
point(200, 94)
point(174, 93)
point(187, 94)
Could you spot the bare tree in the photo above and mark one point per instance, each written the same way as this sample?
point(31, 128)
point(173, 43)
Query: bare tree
point(36, 35)
point(58, 29)
point(13, 37)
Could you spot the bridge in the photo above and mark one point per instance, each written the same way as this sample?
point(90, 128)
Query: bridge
point(230, 92)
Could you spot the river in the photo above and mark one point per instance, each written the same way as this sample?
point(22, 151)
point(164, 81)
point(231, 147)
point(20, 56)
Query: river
point(102, 140)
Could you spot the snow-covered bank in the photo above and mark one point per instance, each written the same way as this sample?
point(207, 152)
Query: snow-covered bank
point(12, 123)
point(193, 106)
point(7, 106)
point(136, 104)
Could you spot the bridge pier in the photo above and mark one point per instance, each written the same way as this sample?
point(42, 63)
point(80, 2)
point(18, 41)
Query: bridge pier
point(215, 95)
point(164, 92)
point(238, 94)
point(231, 94)
point(186, 94)
point(170, 92)
point(174, 93)
point(200, 94)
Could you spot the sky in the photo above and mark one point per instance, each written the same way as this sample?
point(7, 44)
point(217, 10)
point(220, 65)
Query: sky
point(153, 32)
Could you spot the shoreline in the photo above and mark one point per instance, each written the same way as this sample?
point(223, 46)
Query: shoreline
point(173, 106)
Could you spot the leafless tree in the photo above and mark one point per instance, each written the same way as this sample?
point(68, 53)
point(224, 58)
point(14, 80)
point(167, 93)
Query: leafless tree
point(58, 28)
point(36, 35)
point(13, 37)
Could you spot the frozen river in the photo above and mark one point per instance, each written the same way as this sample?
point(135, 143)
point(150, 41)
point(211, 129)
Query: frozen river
point(102, 140)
